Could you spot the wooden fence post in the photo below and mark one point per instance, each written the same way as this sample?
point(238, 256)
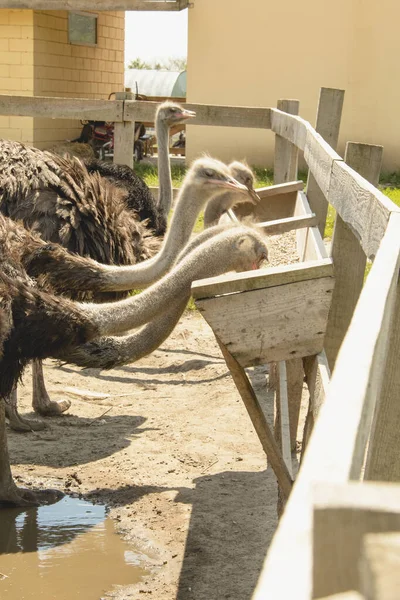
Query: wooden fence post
point(285, 169)
point(286, 153)
point(124, 135)
point(343, 515)
point(348, 257)
point(329, 114)
point(383, 458)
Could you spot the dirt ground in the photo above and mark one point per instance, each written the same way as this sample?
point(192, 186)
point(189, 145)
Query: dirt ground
point(176, 459)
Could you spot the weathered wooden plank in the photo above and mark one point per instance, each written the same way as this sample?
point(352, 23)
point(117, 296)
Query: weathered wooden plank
point(281, 323)
point(61, 108)
point(280, 188)
point(380, 566)
point(283, 420)
point(320, 158)
point(318, 376)
point(264, 278)
point(290, 224)
point(286, 153)
point(329, 114)
point(292, 128)
point(156, 5)
point(124, 137)
point(383, 460)
point(216, 115)
point(259, 421)
point(343, 514)
point(346, 413)
point(363, 208)
point(348, 256)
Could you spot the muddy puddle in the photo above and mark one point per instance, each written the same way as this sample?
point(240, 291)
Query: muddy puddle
point(67, 550)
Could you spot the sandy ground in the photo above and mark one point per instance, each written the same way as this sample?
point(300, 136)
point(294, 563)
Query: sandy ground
point(176, 459)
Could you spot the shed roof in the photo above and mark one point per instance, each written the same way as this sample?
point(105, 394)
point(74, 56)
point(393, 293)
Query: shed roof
point(170, 84)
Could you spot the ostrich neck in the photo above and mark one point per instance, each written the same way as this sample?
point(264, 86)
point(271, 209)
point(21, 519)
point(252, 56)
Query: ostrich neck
point(211, 257)
point(188, 206)
point(164, 169)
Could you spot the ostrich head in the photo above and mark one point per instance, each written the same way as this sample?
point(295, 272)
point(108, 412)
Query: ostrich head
point(242, 173)
point(171, 114)
point(209, 176)
point(250, 250)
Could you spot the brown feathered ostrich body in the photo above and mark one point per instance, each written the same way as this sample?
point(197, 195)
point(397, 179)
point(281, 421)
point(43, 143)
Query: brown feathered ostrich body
point(63, 201)
point(35, 324)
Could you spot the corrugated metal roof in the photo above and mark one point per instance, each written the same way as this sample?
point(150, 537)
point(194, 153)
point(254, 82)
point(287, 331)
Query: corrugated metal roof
point(171, 84)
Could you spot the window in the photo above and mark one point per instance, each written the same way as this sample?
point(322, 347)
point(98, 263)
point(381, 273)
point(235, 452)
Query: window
point(82, 28)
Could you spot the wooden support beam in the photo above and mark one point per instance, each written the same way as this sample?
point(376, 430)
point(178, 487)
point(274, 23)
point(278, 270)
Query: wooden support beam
point(61, 108)
point(278, 226)
point(343, 515)
point(291, 127)
point(152, 5)
point(336, 449)
point(380, 566)
point(329, 115)
point(348, 256)
point(259, 421)
point(286, 153)
point(280, 188)
point(124, 136)
point(207, 114)
point(318, 376)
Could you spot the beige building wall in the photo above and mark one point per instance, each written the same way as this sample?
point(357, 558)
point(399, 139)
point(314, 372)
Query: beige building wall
point(37, 59)
point(16, 68)
point(256, 53)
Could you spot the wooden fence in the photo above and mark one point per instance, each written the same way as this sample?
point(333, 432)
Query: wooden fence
point(334, 530)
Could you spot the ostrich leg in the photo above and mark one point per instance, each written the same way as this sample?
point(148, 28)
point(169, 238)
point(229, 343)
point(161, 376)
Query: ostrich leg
point(40, 399)
point(9, 492)
point(18, 423)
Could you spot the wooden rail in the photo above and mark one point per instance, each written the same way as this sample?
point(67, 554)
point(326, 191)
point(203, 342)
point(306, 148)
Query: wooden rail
point(356, 432)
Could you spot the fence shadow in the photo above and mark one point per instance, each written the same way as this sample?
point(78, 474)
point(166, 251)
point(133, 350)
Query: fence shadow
point(232, 523)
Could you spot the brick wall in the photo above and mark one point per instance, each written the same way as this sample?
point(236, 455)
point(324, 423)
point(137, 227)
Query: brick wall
point(69, 70)
point(37, 59)
point(16, 68)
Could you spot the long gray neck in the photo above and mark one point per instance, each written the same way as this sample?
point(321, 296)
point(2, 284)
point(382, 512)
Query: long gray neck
point(164, 168)
point(190, 202)
point(214, 256)
point(216, 207)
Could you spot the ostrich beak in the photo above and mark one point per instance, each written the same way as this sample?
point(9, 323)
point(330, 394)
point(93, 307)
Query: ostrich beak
point(255, 198)
point(262, 258)
point(231, 184)
point(186, 114)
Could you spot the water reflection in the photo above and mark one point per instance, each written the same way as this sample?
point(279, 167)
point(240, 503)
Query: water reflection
point(66, 550)
point(47, 526)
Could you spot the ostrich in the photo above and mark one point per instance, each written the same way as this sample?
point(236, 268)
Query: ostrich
point(139, 198)
point(74, 275)
point(35, 324)
point(216, 207)
point(58, 198)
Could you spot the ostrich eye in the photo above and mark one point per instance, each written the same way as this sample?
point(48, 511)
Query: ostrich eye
point(249, 181)
point(209, 173)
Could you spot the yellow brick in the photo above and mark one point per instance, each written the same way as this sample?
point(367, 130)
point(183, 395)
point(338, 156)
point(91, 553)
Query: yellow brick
point(22, 71)
point(27, 32)
point(21, 17)
point(27, 84)
point(10, 31)
point(27, 58)
point(14, 58)
point(3, 47)
point(4, 71)
point(20, 122)
point(4, 122)
point(18, 45)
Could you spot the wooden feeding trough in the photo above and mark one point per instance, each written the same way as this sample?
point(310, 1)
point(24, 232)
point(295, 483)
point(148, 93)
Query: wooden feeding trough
point(275, 314)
